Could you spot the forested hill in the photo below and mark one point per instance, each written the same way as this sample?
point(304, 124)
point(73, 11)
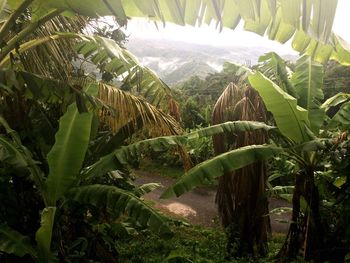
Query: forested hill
point(176, 61)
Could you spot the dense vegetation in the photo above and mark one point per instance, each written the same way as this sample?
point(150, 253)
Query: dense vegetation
point(69, 138)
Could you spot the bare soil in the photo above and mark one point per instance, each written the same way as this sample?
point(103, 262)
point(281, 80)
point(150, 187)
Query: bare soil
point(198, 206)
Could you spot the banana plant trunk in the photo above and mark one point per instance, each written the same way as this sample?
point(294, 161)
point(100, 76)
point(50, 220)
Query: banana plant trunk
point(305, 236)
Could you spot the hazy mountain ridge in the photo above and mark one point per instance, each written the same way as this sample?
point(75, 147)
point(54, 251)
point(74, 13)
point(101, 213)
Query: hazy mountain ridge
point(176, 61)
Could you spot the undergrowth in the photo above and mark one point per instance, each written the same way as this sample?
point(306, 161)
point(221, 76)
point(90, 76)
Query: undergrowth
point(189, 244)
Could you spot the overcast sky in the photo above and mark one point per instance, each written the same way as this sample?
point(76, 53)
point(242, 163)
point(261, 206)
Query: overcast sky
point(141, 28)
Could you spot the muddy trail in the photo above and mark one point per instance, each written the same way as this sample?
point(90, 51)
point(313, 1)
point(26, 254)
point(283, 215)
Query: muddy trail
point(198, 206)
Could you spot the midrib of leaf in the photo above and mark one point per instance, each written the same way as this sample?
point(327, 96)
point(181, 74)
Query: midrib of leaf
point(296, 118)
point(309, 85)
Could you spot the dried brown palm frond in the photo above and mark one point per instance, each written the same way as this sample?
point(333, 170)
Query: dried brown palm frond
point(173, 108)
point(223, 111)
point(130, 109)
point(240, 195)
point(54, 58)
point(135, 113)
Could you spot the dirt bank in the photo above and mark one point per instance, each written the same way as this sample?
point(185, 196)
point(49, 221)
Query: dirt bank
point(198, 206)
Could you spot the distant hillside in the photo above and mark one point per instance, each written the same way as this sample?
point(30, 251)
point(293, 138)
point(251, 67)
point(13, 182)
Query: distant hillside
point(187, 70)
point(177, 61)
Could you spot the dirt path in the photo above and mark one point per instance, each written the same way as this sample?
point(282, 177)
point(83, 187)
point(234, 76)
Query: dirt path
point(197, 206)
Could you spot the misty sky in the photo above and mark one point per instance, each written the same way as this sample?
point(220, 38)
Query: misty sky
point(141, 28)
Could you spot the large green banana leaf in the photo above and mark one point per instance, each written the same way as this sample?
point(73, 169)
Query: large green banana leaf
point(341, 119)
point(337, 99)
point(67, 155)
point(308, 82)
point(275, 68)
point(121, 201)
point(10, 154)
point(219, 165)
point(290, 118)
point(308, 23)
point(12, 242)
point(16, 154)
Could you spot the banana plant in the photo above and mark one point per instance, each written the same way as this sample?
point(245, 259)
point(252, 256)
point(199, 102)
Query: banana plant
point(64, 182)
point(299, 121)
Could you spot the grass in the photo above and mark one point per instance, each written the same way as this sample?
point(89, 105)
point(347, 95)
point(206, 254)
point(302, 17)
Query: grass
point(189, 244)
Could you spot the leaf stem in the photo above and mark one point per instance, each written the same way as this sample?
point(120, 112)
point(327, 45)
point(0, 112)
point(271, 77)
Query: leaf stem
point(11, 45)
point(13, 17)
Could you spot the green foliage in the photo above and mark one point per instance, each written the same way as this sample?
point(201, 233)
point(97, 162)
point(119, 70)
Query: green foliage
point(38, 172)
point(191, 116)
point(120, 202)
point(219, 165)
point(290, 118)
point(336, 79)
point(189, 244)
point(308, 82)
point(128, 153)
point(200, 150)
point(333, 180)
point(121, 64)
point(43, 236)
point(275, 68)
point(196, 92)
point(67, 154)
point(341, 119)
point(12, 242)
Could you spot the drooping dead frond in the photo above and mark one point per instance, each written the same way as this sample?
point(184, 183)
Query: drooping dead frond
point(239, 197)
point(224, 106)
point(134, 110)
point(223, 111)
point(54, 58)
point(134, 113)
point(174, 109)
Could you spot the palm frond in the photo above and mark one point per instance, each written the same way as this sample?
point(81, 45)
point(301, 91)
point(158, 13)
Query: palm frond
point(337, 99)
point(134, 111)
point(225, 104)
point(307, 23)
point(61, 52)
